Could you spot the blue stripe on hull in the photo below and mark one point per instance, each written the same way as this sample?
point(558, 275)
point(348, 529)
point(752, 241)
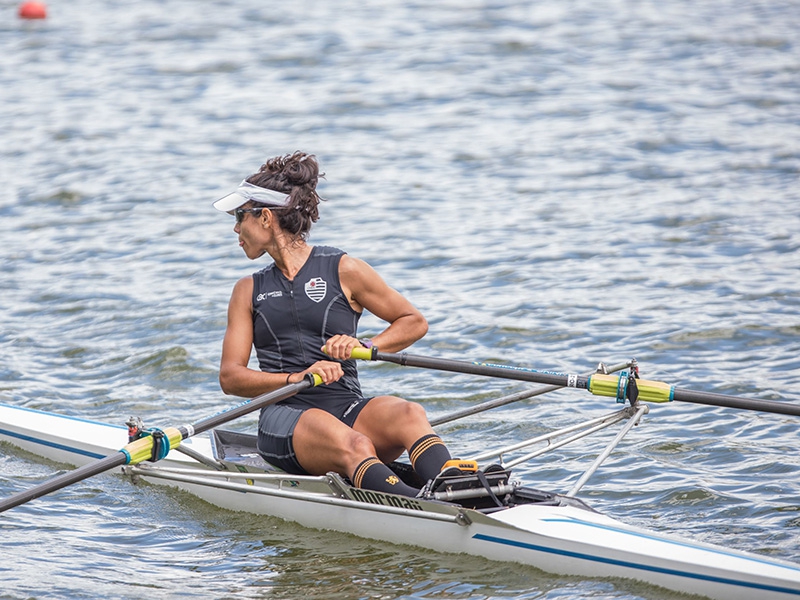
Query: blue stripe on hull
point(637, 566)
point(682, 543)
point(42, 442)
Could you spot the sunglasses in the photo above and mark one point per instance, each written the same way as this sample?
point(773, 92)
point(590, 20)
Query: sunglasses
point(239, 213)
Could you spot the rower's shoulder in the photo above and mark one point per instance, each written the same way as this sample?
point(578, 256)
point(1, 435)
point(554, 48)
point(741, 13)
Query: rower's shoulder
point(243, 287)
point(327, 252)
point(352, 266)
point(348, 264)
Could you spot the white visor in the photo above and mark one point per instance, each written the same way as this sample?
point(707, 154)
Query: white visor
point(247, 192)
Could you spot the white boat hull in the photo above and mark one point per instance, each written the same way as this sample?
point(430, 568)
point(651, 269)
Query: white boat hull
point(565, 539)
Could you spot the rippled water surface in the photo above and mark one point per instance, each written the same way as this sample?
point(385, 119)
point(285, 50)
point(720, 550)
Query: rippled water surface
point(553, 183)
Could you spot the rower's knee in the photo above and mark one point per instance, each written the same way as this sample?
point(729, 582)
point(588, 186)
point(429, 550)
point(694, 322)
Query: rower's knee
point(358, 447)
point(412, 413)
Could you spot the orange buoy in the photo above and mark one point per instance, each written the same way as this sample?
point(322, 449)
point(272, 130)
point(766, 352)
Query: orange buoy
point(32, 10)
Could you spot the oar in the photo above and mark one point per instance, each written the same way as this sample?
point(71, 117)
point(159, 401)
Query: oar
point(157, 445)
point(621, 386)
point(524, 395)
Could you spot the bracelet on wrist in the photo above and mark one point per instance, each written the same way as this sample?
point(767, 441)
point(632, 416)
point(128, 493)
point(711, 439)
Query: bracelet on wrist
point(366, 342)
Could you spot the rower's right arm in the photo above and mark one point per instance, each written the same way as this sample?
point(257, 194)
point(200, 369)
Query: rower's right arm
point(234, 375)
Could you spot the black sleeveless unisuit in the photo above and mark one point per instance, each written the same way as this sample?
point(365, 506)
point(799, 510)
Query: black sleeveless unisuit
point(293, 319)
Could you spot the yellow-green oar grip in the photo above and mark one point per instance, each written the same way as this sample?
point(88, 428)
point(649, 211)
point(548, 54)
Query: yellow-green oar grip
point(361, 353)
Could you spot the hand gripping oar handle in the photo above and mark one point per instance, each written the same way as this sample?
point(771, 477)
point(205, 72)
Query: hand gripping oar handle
point(614, 386)
point(142, 449)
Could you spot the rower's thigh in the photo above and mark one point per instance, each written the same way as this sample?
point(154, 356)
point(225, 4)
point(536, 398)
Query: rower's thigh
point(322, 443)
point(392, 422)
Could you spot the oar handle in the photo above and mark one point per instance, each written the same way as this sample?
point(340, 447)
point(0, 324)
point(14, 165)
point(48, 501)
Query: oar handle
point(362, 353)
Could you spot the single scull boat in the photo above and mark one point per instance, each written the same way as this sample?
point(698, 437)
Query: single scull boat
point(488, 515)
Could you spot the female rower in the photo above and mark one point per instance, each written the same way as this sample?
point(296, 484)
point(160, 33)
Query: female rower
point(301, 314)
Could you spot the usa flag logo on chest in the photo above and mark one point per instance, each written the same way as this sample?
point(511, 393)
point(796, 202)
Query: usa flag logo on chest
point(316, 289)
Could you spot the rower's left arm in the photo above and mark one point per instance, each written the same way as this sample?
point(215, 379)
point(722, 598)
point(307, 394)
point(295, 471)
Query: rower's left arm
point(366, 289)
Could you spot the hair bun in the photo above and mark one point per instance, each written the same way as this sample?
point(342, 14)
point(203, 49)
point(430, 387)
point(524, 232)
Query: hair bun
point(297, 175)
point(301, 169)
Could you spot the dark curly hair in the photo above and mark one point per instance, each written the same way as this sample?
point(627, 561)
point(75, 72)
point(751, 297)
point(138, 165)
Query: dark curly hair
point(297, 175)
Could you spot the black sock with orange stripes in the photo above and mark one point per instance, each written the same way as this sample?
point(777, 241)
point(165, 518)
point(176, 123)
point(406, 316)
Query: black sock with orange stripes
point(428, 455)
point(372, 474)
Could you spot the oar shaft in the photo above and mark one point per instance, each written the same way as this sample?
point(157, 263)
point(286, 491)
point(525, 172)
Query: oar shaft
point(598, 384)
point(251, 405)
point(499, 371)
point(104, 464)
point(712, 399)
point(497, 402)
point(142, 449)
